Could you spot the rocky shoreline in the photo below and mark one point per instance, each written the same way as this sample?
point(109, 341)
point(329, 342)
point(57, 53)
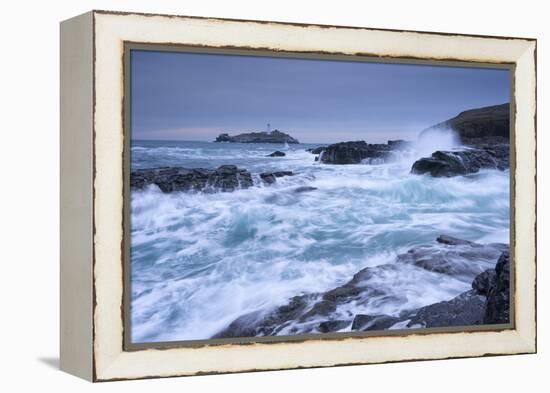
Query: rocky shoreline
point(226, 178)
point(487, 302)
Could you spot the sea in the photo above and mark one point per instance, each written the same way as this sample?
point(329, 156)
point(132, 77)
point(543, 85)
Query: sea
point(201, 260)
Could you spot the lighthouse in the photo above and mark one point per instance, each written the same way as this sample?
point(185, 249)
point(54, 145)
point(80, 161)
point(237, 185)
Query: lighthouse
point(268, 127)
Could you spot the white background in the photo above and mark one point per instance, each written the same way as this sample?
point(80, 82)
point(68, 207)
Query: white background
point(29, 204)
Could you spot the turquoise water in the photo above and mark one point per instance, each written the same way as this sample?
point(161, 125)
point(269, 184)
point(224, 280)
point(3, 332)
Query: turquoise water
point(198, 261)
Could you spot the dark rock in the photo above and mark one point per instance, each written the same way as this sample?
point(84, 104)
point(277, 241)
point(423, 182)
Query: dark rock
point(487, 122)
point(244, 326)
point(226, 178)
point(484, 282)
point(466, 309)
point(357, 151)
point(352, 153)
point(223, 138)
point(271, 177)
point(373, 322)
point(498, 296)
point(305, 189)
point(283, 173)
point(463, 162)
point(454, 257)
point(399, 144)
point(274, 136)
point(321, 308)
point(333, 326)
point(277, 154)
point(487, 302)
point(453, 241)
point(316, 150)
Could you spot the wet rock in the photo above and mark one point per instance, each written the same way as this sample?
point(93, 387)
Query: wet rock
point(316, 150)
point(453, 241)
point(373, 322)
point(356, 151)
point(333, 326)
point(226, 178)
point(487, 301)
point(274, 136)
point(268, 178)
point(305, 189)
point(466, 309)
point(498, 295)
point(455, 257)
point(277, 154)
point(271, 177)
point(483, 282)
point(463, 162)
point(352, 153)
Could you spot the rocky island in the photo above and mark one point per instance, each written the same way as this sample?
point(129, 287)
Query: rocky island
point(274, 136)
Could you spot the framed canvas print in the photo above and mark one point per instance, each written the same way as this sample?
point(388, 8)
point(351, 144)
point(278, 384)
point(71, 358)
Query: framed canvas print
point(248, 195)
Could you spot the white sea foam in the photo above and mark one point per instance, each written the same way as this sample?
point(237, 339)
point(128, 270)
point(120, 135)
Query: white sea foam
point(201, 260)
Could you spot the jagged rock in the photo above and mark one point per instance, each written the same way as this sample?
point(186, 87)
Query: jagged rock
point(373, 322)
point(352, 153)
point(271, 177)
point(483, 282)
point(498, 295)
point(274, 136)
point(463, 162)
point(454, 257)
point(466, 309)
point(316, 150)
point(226, 178)
point(332, 326)
point(277, 154)
point(453, 241)
point(305, 189)
point(357, 151)
point(487, 122)
point(486, 302)
point(399, 144)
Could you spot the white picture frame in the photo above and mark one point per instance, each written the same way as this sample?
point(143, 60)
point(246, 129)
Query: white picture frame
point(92, 194)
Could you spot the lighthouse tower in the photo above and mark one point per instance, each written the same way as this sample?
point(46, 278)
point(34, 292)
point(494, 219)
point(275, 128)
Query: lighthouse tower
point(268, 127)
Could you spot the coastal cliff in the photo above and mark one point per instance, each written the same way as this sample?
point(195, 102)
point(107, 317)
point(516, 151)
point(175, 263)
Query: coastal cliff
point(470, 125)
point(485, 132)
point(274, 136)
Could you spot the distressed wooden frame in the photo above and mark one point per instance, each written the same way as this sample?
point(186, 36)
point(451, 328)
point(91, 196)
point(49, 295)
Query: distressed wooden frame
point(92, 195)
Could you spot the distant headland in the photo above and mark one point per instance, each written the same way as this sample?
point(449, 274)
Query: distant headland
point(274, 136)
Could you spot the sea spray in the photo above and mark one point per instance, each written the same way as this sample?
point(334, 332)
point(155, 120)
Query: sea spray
point(199, 261)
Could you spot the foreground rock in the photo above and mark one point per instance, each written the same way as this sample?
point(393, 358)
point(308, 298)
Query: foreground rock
point(455, 163)
point(498, 293)
point(487, 302)
point(486, 122)
point(454, 257)
point(226, 178)
point(357, 151)
point(274, 136)
point(277, 154)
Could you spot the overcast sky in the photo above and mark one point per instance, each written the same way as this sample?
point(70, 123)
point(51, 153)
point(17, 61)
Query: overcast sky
point(187, 96)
